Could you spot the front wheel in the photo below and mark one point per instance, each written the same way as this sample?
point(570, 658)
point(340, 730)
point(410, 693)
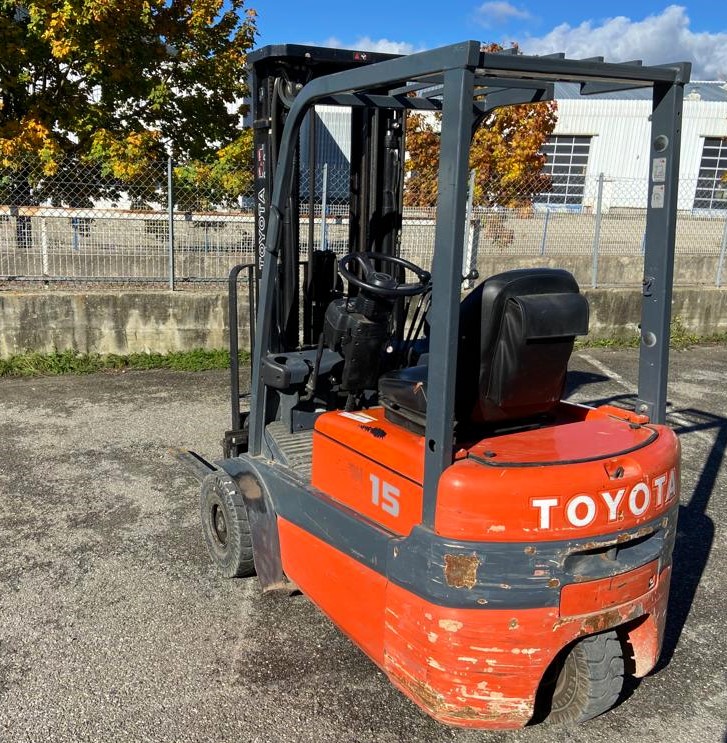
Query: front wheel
point(587, 679)
point(226, 527)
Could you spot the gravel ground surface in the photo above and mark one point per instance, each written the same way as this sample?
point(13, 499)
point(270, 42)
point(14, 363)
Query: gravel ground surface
point(115, 626)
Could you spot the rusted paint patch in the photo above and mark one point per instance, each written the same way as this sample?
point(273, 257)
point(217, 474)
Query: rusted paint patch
point(502, 712)
point(496, 528)
point(594, 623)
point(530, 550)
point(514, 624)
point(422, 693)
point(597, 544)
point(460, 571)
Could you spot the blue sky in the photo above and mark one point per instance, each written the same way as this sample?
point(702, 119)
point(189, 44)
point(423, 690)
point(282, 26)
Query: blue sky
point(654, 31)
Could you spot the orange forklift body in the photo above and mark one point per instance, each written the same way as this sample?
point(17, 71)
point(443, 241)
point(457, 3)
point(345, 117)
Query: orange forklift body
point(481, 667)
point(478, 668)
point(407, 461)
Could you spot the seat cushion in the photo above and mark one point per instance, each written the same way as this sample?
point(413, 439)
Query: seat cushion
point(405, 388)
point(516, 333)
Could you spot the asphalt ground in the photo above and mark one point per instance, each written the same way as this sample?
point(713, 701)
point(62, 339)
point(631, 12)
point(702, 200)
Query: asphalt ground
point(114, 625)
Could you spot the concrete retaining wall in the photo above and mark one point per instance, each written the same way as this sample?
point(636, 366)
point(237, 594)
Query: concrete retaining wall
point(160, 321)
point(620, 271)
point(112, 322)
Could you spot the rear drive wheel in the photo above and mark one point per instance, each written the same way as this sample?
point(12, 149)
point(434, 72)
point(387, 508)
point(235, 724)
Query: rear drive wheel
point(225, 527)
point(588, 679)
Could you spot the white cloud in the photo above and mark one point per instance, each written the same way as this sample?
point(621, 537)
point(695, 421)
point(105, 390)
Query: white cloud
point(367, 44)
point(657, 39)
point(498, 13)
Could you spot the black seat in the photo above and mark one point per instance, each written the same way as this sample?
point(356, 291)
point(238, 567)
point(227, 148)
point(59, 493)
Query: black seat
point(516, 336)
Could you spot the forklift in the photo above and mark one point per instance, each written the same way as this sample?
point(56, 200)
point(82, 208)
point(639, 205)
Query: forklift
point(404, 458)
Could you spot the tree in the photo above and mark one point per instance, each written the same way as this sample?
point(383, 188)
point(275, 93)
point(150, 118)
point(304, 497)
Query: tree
point(112, 86)
point(505, 154)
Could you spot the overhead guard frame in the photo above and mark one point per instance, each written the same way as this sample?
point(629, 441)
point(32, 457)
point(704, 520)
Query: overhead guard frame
point(456, 76)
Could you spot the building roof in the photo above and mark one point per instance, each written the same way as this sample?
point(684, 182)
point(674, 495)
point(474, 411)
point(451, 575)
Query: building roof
point(710, 91)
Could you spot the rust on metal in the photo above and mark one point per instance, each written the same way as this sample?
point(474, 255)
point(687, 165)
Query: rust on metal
point(597, 544)
point(513, 712)
point(602, 621)
point(460, 571)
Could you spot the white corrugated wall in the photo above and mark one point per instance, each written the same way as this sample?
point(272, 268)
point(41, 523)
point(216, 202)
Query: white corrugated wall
point(620, 144)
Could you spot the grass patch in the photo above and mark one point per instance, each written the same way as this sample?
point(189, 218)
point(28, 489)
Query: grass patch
point(72, 362)
point(615, 341)
point(680, 339)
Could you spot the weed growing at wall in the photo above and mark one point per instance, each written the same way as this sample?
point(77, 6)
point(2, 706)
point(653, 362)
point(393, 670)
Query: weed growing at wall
point(72, 362)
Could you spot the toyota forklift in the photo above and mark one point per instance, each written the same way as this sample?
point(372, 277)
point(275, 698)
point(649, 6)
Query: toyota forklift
point(403, 457)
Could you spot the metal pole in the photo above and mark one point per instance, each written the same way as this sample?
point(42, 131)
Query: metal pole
point(722, 252)
point(470, 258)
point(44, 246)
point(457, 121)
point(544, 241)
point(661, 214)
point(324, 207)
point(597, 232)
point(170, 212)
point(311, 181)
point(308, 301)
point(74, 228)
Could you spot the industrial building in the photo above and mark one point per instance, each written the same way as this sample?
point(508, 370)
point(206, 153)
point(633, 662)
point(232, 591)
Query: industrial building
point(604, 134)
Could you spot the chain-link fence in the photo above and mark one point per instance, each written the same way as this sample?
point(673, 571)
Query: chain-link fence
point(80, 227)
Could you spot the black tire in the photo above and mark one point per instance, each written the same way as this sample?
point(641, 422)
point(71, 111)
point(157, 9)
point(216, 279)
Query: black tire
point(587, 680)
point(225, 527)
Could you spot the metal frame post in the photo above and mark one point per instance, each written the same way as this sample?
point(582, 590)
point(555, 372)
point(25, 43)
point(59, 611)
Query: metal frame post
point(311, 157)
point(597, 232)
point(457, 121)
point(76, 239)
point(44, 247)
point(661, 213)
point(324, 206)
point(170, 212)
point(722, 251)
point(470, 257)
point(544, 239)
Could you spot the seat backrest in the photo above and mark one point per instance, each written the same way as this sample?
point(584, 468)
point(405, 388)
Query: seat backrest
point(516, 336)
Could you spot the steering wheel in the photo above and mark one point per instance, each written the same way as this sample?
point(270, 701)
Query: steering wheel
point(379, 283)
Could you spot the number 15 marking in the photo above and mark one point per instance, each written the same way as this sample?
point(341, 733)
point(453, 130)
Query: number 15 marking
point(384, 495)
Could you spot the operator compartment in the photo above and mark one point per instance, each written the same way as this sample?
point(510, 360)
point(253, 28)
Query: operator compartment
point(525, 464)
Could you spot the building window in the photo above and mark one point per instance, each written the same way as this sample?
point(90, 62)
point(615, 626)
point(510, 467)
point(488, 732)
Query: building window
point(566, 161)
point(711, 186)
